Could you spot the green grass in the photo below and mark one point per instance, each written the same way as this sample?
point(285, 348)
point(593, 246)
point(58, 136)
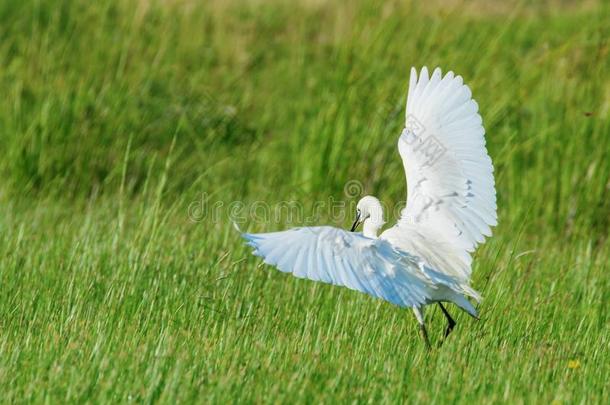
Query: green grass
point(118, 116)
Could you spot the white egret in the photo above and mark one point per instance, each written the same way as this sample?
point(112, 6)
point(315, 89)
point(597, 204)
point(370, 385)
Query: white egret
point(451, 204)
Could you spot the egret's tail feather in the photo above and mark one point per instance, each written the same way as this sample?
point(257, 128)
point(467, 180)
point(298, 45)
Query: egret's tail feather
point(471, 292)
point(463, 303)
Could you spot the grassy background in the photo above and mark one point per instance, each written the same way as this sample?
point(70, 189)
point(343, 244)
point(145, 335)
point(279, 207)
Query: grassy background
point(118, 116)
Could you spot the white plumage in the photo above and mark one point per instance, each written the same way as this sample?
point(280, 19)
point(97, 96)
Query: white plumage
point(451, 205)
point(455, 193)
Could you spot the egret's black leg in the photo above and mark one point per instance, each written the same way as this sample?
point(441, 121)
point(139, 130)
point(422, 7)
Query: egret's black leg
point(419, 314)
point(424, 334)
point(450, 321)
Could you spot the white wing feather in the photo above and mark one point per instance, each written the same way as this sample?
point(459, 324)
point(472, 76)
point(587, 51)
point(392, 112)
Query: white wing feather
point(450, 183)
point(335, 256)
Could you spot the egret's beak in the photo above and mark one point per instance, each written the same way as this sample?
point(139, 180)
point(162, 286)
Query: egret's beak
point(356, 223)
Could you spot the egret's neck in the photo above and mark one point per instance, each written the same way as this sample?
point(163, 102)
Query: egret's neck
point(372, 224)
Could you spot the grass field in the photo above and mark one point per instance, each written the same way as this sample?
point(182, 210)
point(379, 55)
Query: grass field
point(123, 123)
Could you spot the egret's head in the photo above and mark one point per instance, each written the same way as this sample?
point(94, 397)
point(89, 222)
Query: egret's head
point(370, 212)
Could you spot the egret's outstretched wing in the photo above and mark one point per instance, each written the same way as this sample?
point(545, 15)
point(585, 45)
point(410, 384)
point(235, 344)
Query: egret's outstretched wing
point(450, 181)
point(335, 256)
